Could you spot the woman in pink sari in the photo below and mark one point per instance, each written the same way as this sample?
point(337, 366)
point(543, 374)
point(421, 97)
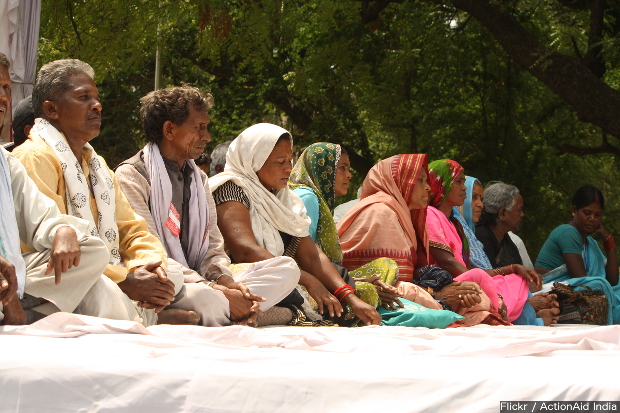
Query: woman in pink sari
point(505, 286)
point(390, 221)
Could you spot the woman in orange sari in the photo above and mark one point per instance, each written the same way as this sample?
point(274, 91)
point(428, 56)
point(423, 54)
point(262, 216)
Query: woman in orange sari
point(390, 221)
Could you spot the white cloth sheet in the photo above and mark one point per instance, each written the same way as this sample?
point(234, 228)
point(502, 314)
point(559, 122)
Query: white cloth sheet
point(72, 363)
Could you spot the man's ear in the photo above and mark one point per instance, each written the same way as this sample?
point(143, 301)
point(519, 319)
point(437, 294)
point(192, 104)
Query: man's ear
point(501, 214)
point(49, 110)
point(168, 130)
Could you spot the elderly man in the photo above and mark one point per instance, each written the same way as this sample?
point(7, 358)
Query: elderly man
point(66, 168)
point(163, 184)
point(63, 273)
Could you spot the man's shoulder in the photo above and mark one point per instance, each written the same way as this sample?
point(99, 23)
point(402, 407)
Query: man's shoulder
point(135, 163)
point(33, 148)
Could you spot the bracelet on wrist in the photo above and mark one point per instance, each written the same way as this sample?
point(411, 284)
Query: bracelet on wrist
point(344, 290)
point(215, 280)
point(609, 244)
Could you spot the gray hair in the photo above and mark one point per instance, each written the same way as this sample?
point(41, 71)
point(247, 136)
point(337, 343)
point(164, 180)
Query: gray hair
point(218, 156)
point(4, 61)
point(498, 195)
point(54, 79)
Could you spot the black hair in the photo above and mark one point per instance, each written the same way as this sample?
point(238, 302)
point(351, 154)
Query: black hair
point(586, 195)
point(170, 104)
point(284, 137)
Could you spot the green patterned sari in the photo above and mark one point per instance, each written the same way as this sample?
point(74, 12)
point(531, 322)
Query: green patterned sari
point(316, 170)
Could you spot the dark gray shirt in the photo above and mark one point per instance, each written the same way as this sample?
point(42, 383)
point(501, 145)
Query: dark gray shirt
point(181, 181)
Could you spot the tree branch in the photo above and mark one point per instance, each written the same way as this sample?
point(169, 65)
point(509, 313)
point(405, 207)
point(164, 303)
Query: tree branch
point(604, 147)
point(575, 4)
point(370, 10)
point(594, 57)
point(594, 100)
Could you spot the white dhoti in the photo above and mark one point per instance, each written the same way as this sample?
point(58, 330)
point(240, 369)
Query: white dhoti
point(272, 279)
point(84, 289)
point(107, 300)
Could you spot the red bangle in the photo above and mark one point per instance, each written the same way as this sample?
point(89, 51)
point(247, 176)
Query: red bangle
point(609, 244)
point(343, 291)
point(342, 297)
point(341, 288)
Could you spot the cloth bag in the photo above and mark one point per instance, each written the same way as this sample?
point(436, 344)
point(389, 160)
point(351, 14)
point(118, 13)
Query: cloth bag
point(581, 307)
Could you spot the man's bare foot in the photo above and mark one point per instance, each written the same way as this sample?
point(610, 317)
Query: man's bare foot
point(549, 315)
point(178, 316)
point(14, 313)
point(544, 301)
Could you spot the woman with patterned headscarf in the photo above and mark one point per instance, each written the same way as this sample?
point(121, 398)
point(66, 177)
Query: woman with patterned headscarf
point(320, 175)
point(449, 248)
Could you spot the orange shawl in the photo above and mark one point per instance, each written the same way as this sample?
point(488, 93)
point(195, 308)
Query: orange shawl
point(381, 224)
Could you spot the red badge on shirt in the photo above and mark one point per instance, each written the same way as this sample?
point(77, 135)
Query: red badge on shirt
point(173, 223)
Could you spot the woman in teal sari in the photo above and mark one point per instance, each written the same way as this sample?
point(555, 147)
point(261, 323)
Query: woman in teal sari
point(570, 253)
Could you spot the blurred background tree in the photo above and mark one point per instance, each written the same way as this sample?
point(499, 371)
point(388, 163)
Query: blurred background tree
point(500, 87)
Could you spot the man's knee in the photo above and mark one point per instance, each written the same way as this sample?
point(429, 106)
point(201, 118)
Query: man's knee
point(95, 254)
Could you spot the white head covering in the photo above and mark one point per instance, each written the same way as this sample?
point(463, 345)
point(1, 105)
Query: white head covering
point(269, 213)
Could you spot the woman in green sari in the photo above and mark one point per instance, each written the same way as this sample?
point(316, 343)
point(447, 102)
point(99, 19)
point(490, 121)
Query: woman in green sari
point(320, 175)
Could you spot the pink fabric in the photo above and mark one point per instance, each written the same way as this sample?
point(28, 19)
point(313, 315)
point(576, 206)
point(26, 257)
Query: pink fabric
point(417, 295)
point(515, 292)
point(484, 281)
point(442, 234)
point(512, 287)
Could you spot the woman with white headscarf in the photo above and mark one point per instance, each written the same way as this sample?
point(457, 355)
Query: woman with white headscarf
point(260, 218)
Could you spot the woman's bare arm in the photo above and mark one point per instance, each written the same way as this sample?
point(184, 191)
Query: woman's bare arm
point(575, 266)
point(447, 261)
point(233, 219)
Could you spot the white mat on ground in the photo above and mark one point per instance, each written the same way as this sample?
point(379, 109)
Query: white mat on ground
point(71, 363)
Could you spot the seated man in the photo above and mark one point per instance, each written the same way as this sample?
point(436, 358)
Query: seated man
point(66, 168)
point(163, 185)
point(63, 273)
point(59, 243)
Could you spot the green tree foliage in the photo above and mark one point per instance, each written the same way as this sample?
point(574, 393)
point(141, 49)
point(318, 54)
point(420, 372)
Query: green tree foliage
point(380, 77)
